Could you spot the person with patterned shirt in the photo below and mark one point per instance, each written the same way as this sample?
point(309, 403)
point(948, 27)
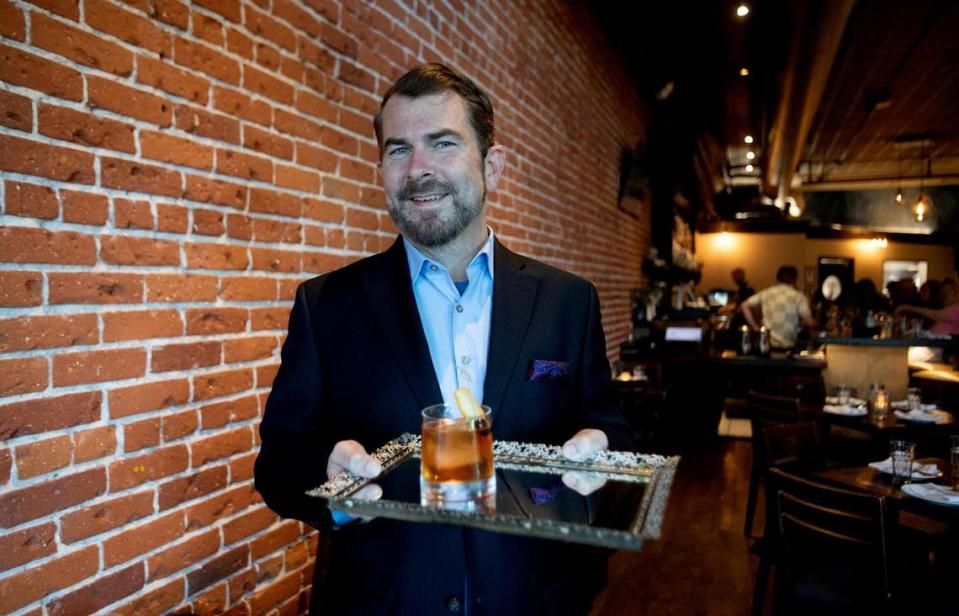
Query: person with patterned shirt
point(784, 309)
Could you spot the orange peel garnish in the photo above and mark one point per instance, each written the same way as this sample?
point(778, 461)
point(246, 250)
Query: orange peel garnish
point(467, 404)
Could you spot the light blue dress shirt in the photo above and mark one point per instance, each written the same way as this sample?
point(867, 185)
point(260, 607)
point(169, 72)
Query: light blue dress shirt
point(456, 324)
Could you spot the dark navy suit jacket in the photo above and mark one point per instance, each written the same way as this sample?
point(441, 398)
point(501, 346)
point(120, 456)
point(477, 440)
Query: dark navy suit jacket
point(356, 365)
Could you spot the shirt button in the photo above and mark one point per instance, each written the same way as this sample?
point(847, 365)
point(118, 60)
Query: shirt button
point(465, 359)
point(459, 307)
point(453, 604)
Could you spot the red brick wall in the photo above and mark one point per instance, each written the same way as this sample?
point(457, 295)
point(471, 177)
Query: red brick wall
point(170, 173)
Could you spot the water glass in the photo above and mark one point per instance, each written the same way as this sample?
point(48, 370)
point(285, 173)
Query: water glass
point(954, 461)
point(914, 398)
point(842, 395)
point(902, 454)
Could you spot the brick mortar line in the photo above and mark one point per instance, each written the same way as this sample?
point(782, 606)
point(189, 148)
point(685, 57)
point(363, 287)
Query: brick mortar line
point(97, 540)
point(99, 153)
point(208, 106)
point(219, 240)
point(53, 391)
point(72, 309)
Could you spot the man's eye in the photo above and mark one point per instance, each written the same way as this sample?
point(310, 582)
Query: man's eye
point(399, 151)
point(445, 144)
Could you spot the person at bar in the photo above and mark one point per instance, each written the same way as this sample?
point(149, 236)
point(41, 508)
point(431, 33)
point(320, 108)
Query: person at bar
point(446, 306)
point(945, 320)
point(743, 290)
point(784, 309)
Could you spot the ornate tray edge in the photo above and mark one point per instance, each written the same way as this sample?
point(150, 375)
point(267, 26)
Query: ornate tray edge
point(620, 465)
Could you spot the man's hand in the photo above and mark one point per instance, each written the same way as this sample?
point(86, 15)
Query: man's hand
point(585, 442)
point(351, 456)
point(584, 483)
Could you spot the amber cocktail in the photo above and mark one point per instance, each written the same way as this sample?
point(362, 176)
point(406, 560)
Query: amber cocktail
point(457, 456)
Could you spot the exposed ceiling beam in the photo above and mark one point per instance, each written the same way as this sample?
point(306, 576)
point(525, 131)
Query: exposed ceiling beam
point(878, 183)
point(819, 26)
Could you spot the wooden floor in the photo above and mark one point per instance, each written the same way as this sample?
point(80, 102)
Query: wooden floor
point(702, 564)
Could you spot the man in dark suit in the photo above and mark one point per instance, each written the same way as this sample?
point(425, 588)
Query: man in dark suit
point(447, 306)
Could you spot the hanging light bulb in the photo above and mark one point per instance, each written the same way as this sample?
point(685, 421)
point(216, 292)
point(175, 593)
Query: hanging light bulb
point(920, 208)
point(899, 196)
point(923, 202)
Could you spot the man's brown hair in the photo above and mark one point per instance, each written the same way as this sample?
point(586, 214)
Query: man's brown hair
point(436, 78)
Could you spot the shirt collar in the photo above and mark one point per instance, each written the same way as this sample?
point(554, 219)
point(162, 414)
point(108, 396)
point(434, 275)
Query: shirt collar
point(418, 261)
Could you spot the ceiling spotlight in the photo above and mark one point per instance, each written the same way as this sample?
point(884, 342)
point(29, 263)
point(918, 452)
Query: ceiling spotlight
point(748, 138)
point(742, 10)
point(749, 168)
point(750, 155)
point(744, 72)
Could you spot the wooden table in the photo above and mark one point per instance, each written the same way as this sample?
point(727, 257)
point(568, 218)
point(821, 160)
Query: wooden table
point(870, 480)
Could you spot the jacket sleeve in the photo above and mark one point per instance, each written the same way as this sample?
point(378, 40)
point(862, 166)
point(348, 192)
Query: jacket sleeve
point(294, 449)
point(599, 410)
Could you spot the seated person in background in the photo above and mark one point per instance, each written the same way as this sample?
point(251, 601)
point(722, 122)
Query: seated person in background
point(785, 310)
point(929, 294)
point(902, 291)
point(865, 302)
point(743, 290)
point(946, 319)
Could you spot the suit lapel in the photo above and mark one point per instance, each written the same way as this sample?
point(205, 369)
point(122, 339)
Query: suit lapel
point(514, 293)
point(390, 292)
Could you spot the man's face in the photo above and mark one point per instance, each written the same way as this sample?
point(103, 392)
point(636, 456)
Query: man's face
point(434, 178)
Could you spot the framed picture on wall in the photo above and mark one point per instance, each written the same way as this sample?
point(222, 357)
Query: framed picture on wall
point(897, 269)
point(634, 193)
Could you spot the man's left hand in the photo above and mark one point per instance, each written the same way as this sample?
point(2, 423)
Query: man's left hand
point(584, 443)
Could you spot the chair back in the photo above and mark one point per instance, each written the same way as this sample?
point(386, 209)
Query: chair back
point(796, 447)
point(810, 389)
point(832, 545)
point(768, 410)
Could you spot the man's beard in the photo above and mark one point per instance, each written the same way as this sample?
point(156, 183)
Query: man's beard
point(434, 227)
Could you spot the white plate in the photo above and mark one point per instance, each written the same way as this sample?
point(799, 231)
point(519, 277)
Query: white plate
point(848, 411)
point(933, 493)
point(922, 416)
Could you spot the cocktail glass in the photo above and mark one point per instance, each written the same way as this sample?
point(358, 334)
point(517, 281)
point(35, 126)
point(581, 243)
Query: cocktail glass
point(457, 459)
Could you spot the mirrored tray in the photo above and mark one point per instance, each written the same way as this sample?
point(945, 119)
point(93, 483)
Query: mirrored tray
point(617, 499)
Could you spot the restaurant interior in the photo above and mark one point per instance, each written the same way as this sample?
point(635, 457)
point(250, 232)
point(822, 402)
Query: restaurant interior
point(823, 136)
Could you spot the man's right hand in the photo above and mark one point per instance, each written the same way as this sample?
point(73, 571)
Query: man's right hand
point(351, 456)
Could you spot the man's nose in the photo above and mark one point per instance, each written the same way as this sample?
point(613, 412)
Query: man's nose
point(420, 166)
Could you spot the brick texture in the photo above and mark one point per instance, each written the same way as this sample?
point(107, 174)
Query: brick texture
point(170, 172)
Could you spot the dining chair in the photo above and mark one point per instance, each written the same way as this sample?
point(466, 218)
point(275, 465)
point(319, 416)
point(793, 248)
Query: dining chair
point(797, 448)
point(832, 549)
point(765, 410)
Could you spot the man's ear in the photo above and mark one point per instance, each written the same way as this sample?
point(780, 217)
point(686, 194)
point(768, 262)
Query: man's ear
point(493, 166)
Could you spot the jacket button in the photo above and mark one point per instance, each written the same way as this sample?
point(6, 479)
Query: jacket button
point(453, 604)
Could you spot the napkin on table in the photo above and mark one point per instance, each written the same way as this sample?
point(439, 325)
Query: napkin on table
point(885, 466)
point(852, 401)
point(843, 410)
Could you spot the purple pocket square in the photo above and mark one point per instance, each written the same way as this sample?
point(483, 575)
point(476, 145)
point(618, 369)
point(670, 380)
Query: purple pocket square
point(547, 369)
